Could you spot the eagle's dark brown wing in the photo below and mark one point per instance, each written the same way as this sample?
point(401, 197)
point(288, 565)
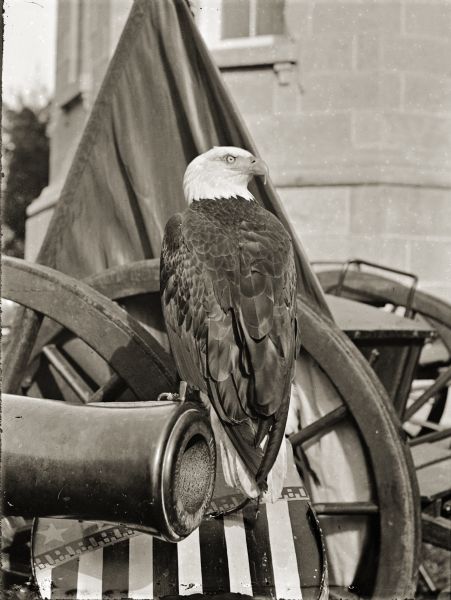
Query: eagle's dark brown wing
point(228, 285)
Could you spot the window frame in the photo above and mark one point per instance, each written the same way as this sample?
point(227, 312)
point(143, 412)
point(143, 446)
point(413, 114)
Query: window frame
point(73, 88)
point(246, 51)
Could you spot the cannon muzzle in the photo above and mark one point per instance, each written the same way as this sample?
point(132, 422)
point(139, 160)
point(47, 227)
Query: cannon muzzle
point(147, 464)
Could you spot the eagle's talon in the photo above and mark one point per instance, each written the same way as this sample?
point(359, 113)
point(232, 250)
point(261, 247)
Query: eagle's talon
point(168, 396)
point(174, 397)
point(215, 514)
point(229, 511)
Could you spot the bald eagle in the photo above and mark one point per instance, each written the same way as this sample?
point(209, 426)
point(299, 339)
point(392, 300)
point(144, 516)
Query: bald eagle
point(228, 290)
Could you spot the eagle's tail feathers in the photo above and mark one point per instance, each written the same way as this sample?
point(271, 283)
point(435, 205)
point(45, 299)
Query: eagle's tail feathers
point(275, 441)
point(237, 474)
point(276, 476)
point(263, 428)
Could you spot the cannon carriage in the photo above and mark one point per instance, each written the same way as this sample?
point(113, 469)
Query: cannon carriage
point(91, 328)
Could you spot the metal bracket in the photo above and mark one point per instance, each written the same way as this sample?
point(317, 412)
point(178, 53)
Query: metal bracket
point(284, 72)
point(409, 313)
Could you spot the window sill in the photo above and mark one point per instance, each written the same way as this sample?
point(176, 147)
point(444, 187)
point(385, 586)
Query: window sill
point(265, 50)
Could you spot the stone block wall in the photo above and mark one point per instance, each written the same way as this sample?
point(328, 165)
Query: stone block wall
point(384, 224)
point(357, 133)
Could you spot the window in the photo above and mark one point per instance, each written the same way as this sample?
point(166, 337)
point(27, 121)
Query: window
point(245, 33)
point(69, 55)
point(249, 18)
point(222, 21)
point(74, 40)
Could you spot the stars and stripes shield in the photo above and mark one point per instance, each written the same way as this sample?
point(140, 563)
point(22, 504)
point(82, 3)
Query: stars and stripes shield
point(270, 551)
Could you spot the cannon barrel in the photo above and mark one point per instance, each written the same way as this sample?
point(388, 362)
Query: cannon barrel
point(147, 464)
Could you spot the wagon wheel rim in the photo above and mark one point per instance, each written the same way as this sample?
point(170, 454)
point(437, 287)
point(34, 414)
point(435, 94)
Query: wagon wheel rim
point(370, 287)
point(123, 343)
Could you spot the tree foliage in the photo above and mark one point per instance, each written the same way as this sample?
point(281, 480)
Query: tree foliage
point(26, 168)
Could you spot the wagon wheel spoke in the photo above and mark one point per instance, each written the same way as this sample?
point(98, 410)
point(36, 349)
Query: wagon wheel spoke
point(116, 283)
point(110, 390)
point(431, 437)
point(63, 367)
point(436, 387)
point(320, 427)
point(436, 413)
point(18, 355)
point(345, 508)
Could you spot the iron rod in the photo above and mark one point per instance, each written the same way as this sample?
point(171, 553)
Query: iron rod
point(345, 508)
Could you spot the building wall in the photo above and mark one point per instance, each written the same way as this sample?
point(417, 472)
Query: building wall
point(351, 108)
point(87, 34)
point(355, 124)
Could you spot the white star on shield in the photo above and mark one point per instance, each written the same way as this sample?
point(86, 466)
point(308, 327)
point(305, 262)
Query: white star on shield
point(53, 534)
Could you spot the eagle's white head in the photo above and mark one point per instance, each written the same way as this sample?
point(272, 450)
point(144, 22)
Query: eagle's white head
point(222, 172)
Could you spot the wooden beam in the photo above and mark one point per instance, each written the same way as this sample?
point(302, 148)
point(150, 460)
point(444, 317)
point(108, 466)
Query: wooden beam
point(437, 531)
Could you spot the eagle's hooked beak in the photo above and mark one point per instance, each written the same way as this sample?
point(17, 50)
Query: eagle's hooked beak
point(258, 167)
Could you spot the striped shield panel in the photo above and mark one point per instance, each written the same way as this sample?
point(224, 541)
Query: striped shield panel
point(274, 551)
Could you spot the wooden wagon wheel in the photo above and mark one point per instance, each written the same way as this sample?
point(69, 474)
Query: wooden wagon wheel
point(435, 363)
point(393, 509)
point(132, 357)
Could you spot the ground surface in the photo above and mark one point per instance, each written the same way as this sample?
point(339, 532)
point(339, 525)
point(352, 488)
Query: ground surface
point(438, 565)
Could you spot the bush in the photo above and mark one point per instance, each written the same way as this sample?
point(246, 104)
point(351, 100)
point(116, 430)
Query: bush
point(26, 169)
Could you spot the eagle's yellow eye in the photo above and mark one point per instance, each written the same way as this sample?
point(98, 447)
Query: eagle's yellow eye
point(230, 159)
